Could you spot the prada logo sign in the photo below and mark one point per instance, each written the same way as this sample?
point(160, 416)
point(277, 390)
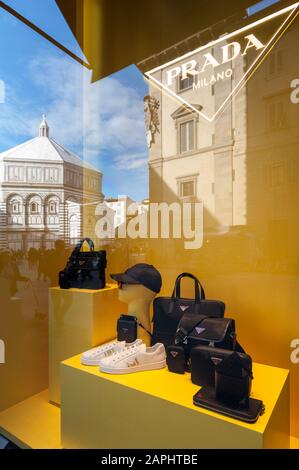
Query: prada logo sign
point(212, 74)
point(229, 52)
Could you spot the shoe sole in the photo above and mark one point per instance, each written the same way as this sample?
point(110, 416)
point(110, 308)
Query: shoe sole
point(86, 362)
point(130, 370)
point(92, 362)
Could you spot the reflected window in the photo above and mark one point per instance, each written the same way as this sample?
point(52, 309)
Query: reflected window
point(53, 208)
point(275, 63)
point(276, 117)
point(187, 186)
point(34, 208)
point(187, 136)
point(15, 207)
point(277, 175)
point(186, 83)
point(187, 189)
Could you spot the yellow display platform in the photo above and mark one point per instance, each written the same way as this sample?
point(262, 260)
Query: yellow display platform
point(154, 410)
point(79, 319)
point(33, 423)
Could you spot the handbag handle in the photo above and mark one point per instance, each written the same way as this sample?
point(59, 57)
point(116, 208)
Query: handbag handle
point(78, 247)
point(199, 292)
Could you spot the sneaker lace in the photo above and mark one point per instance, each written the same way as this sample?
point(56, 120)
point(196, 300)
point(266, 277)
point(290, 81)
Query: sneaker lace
point(104, 348)
point(124, 353)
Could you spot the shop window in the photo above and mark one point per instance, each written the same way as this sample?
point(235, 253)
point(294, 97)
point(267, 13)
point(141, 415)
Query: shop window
point(187, 136)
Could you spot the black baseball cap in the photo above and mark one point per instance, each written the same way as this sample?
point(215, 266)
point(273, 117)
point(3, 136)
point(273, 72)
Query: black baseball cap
point(141, 273)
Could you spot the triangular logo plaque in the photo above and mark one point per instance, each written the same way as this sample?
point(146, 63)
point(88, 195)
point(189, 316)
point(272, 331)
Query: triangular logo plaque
point(184, 307)
point(199, 330)
point(227, 62)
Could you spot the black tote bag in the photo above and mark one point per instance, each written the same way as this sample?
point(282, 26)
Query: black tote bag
point(168, 311)
point(84, 269)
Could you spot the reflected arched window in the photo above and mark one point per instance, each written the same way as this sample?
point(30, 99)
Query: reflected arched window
point(34, 208)
point(74, 228)
point(53, 207)
point(15, 207)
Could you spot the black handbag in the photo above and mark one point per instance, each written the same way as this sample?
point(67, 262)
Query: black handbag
point(84, 269)
point(168, 311)
point(205, 359)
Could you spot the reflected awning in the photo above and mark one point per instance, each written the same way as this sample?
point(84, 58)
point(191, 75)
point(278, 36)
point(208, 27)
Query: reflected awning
point(116, 33)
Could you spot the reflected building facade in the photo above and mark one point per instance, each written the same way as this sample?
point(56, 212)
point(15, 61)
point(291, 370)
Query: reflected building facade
point(272, 157)
point(193, 159)
point(41, 193)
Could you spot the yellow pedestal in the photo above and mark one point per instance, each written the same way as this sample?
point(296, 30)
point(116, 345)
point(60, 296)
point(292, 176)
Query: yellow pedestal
point(154, 410)
point(79, 319)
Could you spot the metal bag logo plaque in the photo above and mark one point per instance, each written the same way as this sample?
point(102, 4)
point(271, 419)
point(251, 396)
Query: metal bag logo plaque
point(184, 307)
point(224, 64)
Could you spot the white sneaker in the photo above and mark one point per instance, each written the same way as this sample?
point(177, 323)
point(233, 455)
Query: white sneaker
point(135, 359)
point(93, 356)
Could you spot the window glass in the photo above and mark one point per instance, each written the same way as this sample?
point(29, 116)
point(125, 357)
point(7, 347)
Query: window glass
point(187, 189)
point(186, 83)
point(187, 136)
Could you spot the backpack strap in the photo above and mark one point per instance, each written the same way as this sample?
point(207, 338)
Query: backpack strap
point(148, 332)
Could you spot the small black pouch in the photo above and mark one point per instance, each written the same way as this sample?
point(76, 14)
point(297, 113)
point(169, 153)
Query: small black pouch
point(205, 359)
point(127, 328)
point(175, 359)
point(233, 378)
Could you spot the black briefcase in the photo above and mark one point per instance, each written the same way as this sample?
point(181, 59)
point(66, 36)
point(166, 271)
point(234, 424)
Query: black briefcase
point(84, 269)
point(168, 311)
